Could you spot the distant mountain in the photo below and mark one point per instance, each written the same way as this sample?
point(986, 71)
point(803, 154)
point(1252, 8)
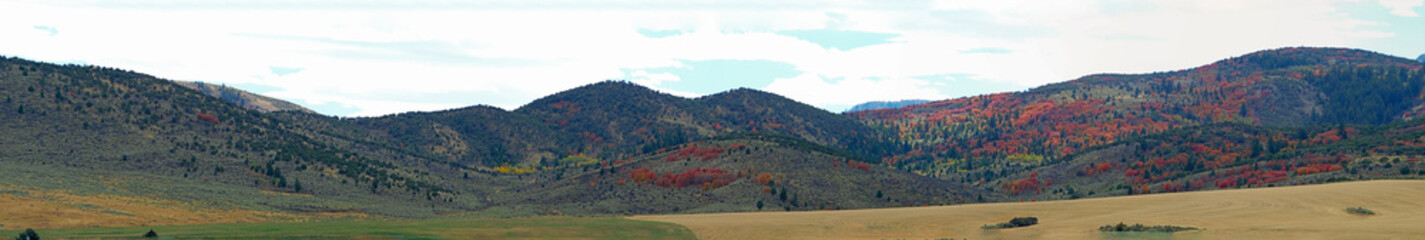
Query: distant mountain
point(885, 104)
point(243, 98)
point(1282, 87)
point(1421, 58)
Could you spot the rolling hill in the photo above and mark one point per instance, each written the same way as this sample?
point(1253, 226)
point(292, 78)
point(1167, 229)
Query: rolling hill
point(135, 135)
point(1289, 87)
point(1278, 117)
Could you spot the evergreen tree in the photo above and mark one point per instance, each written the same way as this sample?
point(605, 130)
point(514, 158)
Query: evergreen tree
point(29, 234)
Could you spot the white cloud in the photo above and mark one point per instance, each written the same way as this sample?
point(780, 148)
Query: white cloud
point(383, 57)
point(1403, 8)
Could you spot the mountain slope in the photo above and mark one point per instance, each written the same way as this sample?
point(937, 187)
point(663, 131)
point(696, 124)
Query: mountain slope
point(1282, 87)
point(136, 135)
point(1228, 155)
point(741, 173)
point(243, 98)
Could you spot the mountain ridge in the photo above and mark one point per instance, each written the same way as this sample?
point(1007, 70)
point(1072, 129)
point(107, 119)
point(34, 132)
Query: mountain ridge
point(1280, 116)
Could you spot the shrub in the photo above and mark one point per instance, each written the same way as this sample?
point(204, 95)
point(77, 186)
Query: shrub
point(1013, 223)
point(1141, 228)
point(1360, 211)
point(150, 234)
point(29, 234)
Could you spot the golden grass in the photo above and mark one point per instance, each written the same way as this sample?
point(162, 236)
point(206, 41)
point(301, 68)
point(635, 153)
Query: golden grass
point(1302, 212)
point(61, 209)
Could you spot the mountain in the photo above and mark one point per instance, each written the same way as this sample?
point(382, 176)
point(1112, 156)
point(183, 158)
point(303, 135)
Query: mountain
point(873, 105)
point(86, 129)
point(1421, 58)
point(1289, 87)
point(1268, 118)
point(1225, 156)
point(732, 173)
point(243, 98)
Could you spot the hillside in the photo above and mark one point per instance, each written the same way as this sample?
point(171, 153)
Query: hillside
point(128, 132)
point(243, 98)
point(1300, 212)
point(1224, 156)
point(1279, 117)
point(606, 120)
point(1289, 87)
point(873, 105)
point(727, 174)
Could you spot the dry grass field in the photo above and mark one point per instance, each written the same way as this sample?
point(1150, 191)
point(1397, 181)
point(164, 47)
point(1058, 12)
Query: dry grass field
point(60, 209)
point(1299, 212)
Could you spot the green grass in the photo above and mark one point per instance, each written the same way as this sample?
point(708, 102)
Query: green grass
point(448, 228)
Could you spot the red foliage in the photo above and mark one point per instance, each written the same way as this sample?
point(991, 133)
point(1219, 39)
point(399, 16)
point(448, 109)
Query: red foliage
point(707, 178)
point(208, 118)
point(1315, 168)
point(642, 175)
point(1030, 183)
point(861, 166)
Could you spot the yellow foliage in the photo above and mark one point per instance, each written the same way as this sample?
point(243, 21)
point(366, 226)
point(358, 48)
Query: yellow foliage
point(507, 169)
point(1025, 158)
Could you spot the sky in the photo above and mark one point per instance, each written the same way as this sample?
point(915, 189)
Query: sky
point(371, 58)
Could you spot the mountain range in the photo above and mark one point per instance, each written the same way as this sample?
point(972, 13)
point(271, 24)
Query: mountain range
point(1268, 118)
point(873, 105)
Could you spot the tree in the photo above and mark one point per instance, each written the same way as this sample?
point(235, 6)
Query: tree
point(150, 234)
point(878, 193)
point(759, 204)
point(29, 234)
point(296, 185)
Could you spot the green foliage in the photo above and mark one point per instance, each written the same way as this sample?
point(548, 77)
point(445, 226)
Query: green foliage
point(1013, 223)
point(1360, 211)
point(28, 234)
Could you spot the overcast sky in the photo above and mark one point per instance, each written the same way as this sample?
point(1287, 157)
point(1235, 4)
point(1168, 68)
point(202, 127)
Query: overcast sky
point(366, 58)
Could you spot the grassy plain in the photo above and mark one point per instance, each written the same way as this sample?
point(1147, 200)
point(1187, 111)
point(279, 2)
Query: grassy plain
point(1299, 212)
point(445, 228)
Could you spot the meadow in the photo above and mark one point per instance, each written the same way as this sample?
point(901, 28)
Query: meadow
point(1297, 212)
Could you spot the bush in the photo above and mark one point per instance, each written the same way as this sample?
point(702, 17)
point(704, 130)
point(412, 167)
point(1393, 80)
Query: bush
point(1141, 228)
point(1014, 223)
point(29, 234)
point(1024, 221)
point(1360, 211)
point(150, 234)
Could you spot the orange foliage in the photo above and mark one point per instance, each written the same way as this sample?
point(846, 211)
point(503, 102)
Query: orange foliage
point(208, 118)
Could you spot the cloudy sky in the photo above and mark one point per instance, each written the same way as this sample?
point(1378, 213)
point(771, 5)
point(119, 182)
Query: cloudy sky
point(366, 58)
